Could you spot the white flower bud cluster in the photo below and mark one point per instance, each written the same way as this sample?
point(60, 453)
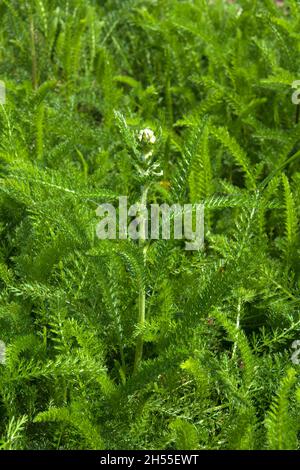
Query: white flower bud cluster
point(149, 168)
point(147, 136)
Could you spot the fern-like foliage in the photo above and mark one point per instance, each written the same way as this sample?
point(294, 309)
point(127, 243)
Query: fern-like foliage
point(281, 428)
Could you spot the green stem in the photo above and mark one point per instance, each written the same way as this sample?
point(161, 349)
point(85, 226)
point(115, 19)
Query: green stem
point(290, 160)
point(237, 325)
point(142, 293)
point(33, 55)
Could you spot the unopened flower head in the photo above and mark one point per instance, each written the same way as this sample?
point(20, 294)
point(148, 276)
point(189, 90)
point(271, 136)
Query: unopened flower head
point(147, 136)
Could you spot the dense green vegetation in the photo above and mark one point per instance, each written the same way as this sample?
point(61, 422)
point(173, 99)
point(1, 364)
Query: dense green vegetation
point(209, 367)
